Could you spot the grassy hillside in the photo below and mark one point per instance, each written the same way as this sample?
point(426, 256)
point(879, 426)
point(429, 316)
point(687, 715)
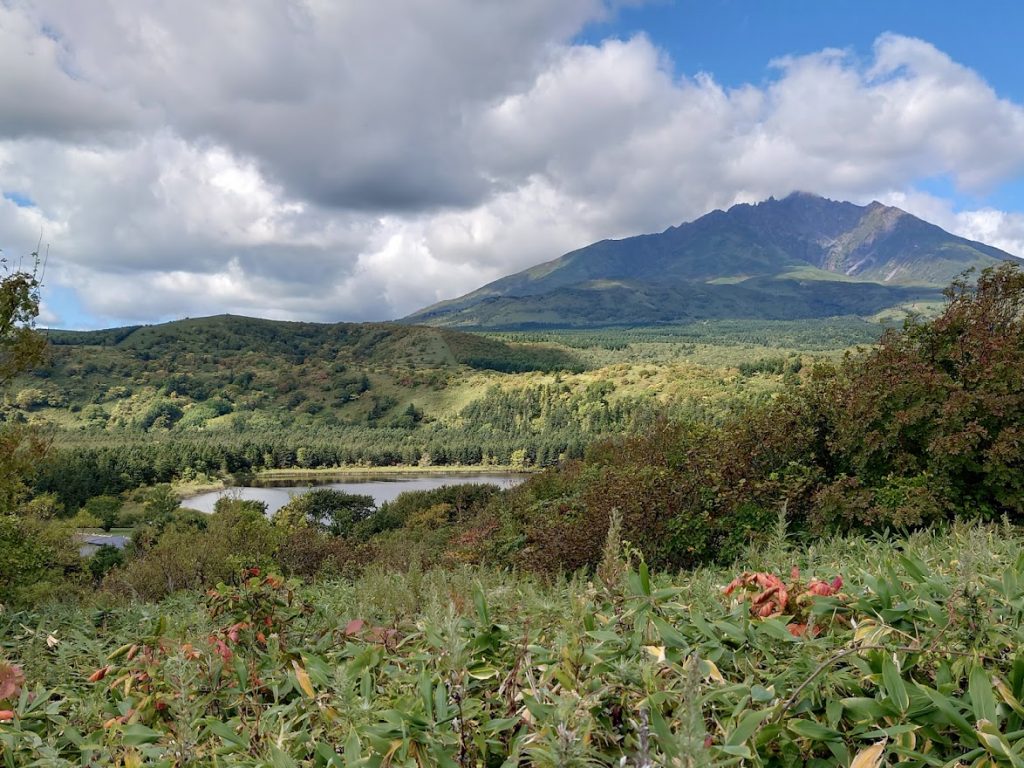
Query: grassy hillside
point(207, 373)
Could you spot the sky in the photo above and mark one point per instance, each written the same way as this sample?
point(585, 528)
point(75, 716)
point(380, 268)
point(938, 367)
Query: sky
point(349, 160)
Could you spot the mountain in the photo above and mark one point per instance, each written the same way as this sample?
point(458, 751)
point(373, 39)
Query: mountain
point(803, 256)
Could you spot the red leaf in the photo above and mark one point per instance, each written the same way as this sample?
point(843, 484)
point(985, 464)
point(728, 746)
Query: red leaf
point(799, 630)
point(354, 627)
point(12, 678)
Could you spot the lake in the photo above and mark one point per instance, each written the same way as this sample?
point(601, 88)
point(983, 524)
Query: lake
point(382, 487)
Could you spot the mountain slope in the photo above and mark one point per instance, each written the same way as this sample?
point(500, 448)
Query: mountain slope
point(799, 257)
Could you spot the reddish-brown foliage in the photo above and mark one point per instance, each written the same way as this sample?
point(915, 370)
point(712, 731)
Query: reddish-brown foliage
point(12, 678)
point(770, 597)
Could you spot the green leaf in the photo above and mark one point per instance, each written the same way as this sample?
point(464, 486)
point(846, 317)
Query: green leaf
point(809, 729)
point(480, 600)
point(983, 700)
point(137, 734)
point(732, 631)
point(761, 694)
point(241, 673)
point(226, 731)
point(330, 757)
point(919, 756)
point(669, 635)
point(736, 751)
point(1007, 696)
point(482, 672)
point(500, 724)
point(442, 758)
point(353, 749)
point(776, 630)
point(998, 746)
point(1016, 680)
point(645, 579)
point(914, 566)
point(892, 730)
point(894, 685)
point(746, 727)
point(280, 759)
point(660, 728)
point(426, 687)
point(949, 711)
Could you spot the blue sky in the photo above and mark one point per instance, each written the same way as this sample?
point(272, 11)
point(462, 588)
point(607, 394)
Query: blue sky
point(360, 161)
point(734, 41)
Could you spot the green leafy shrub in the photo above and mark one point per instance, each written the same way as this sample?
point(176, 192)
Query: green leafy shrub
point(104, 560)
point(162, 414)
point(38, 560)
point(184, 555)
point(328, 510)
point(308, 553)
point(105, 508)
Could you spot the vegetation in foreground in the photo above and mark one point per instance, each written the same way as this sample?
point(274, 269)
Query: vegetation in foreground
point(897, 651)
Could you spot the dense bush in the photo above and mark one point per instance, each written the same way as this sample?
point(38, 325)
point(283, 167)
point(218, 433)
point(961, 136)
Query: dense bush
point(38, 560)
point(181, 554)
point(459, 503)
point(327, 510)
point(106, 509)
point(933, 420)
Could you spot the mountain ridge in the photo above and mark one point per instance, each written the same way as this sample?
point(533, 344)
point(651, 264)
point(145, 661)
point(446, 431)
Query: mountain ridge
point(773, 260)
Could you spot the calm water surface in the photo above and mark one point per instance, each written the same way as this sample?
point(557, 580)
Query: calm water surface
point(381, 487)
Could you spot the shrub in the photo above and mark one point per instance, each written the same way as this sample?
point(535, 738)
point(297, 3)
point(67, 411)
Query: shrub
point(104, 560)
point(308, 553)
point(162, 414)
point(461, 501)
point(942, 400)
point(180, 556)
point(326, 509)
point(161, 502)
point(106, 508)
point(38, 560)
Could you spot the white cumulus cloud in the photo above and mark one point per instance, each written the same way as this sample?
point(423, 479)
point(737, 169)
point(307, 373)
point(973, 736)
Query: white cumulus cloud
point(339, 161)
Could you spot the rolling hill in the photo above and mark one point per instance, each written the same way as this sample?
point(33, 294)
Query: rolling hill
point(800, 257)
point(217, 373)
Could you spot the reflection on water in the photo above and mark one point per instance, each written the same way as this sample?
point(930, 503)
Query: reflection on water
point(278, 492)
